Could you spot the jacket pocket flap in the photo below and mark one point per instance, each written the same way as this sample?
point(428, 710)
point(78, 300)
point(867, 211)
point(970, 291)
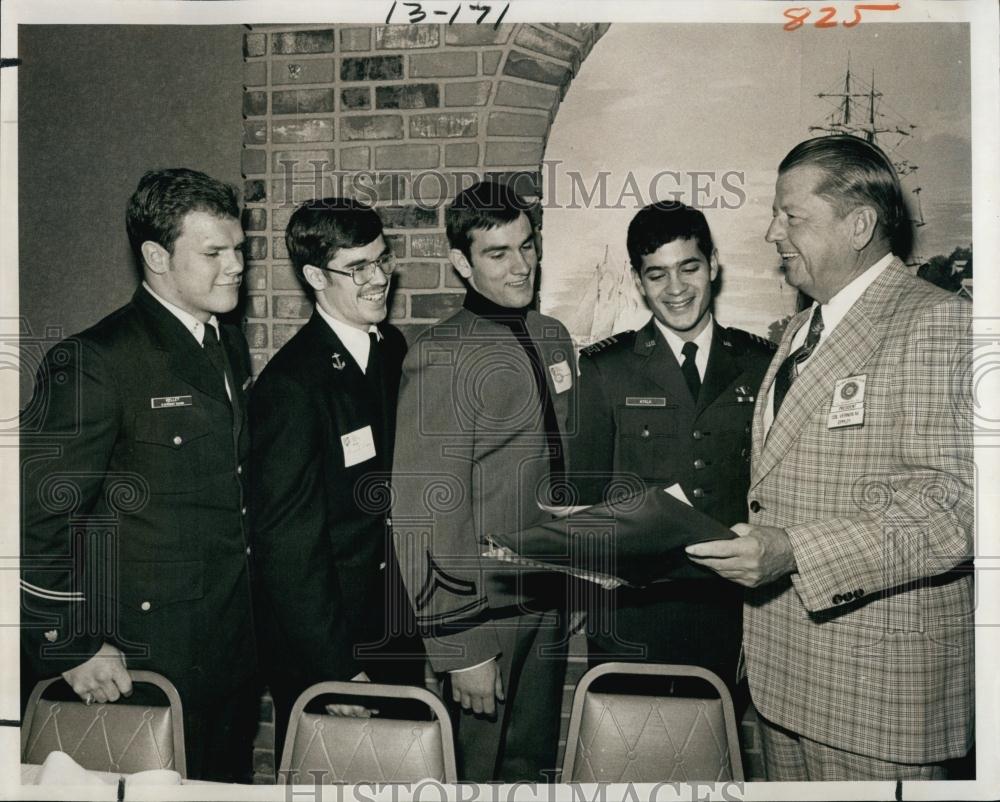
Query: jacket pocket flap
point(170, 430)
point(147, 586)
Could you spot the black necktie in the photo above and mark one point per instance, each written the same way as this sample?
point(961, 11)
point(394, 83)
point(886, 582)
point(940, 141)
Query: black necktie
point(690, 369)
point(215, 354)
point(374, 364)
point(788, 371)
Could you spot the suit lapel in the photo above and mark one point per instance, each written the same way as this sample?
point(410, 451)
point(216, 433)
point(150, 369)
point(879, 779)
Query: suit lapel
point(553, 352)
point(386, 412)
point(184, 356)
point(238, 373)
point(721, 371)
point(843, 354)
point(757, 437)
point(660, 366)
point(346, 393)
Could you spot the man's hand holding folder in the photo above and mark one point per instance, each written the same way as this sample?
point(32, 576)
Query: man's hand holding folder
point(638, 539)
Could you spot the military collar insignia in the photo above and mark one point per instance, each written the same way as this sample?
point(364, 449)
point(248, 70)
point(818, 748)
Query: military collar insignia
point(337, 361)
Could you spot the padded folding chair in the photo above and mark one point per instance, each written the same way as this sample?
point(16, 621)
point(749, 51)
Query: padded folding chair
point(118, 737)
point(322, 749)
point(632, 737)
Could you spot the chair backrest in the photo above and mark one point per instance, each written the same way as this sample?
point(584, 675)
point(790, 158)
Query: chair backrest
point(629, 737)
point(322, 749)
point(117, 737)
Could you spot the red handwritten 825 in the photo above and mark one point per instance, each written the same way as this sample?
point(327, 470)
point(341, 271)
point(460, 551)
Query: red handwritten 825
point(797, 16)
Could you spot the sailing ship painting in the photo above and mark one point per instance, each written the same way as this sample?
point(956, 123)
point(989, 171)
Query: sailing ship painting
point(861, 110)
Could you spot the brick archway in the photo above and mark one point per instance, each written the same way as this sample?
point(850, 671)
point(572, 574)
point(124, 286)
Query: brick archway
point(382, 112)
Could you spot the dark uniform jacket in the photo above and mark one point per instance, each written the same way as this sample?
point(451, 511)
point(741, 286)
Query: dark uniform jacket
point(638, 424)
point(321, 543)
point(133, 510)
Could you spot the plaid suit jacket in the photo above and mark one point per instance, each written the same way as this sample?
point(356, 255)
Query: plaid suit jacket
point(868, 646)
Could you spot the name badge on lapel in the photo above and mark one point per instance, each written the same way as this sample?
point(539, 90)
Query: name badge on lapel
point(359, 446)
point(562, 376)
point(171, 401)
point(848, 405)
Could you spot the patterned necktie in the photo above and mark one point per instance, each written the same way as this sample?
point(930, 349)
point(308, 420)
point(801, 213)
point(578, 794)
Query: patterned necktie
point(690, 369)
point(215, 354)
point(788, 371)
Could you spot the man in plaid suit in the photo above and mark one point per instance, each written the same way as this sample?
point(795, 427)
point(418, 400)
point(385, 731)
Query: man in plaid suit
point(858, 614)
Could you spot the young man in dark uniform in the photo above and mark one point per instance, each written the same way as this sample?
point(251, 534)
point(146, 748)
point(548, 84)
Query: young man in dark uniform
point(670, 404)
point(137, 430)
point(323, 420)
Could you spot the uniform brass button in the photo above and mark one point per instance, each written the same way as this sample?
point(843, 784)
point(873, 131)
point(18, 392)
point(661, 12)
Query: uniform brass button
point(699, 464)
point(645, 432)
point(698, 492)
point(145, 606)
point(248, 551)
point(696, 434)
point(239, 470)
point(755, 506)
point(243, 510)
point(178, 439)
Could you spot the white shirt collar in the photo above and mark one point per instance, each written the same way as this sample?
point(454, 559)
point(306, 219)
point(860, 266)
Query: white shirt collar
point(355, 340)
point(703, 341)
point(833, 312)
point(840, 304)
point(191, 323)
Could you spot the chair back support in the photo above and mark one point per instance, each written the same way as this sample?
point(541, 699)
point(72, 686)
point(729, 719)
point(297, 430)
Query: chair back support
point(322, 749)
point(625, 737)
point(117, 737)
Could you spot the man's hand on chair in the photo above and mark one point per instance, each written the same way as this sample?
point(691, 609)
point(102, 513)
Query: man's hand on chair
point(103, 678)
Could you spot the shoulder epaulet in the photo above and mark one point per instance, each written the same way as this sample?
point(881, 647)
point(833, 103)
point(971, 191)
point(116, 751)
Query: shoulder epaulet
point(748, 338)
point(600, 345)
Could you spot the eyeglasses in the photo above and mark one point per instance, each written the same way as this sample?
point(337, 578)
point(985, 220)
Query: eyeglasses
point(363, 273)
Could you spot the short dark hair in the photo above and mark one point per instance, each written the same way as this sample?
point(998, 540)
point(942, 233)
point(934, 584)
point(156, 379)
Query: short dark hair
point(857, 173)
point(322, 226)
point(481, 207)
point(662, 222)
point(157, 207)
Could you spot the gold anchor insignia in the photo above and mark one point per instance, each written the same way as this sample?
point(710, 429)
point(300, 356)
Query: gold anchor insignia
point(337, 362)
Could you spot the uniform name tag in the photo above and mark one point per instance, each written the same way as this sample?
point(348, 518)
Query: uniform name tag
point(848, 405)
point(562, 376)
point(169, 401)
point(642, 401)
point(359, 446)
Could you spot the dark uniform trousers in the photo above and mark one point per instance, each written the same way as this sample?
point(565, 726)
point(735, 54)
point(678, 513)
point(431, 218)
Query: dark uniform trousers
point(133, 521)
point(331, 600)
point(638, 424)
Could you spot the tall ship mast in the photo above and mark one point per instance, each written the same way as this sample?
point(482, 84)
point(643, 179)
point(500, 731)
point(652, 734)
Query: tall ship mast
point(860, 109)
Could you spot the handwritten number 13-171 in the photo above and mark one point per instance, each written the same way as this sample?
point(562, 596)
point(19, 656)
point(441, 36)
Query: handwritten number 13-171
point(797, 16)
point(416, 13)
